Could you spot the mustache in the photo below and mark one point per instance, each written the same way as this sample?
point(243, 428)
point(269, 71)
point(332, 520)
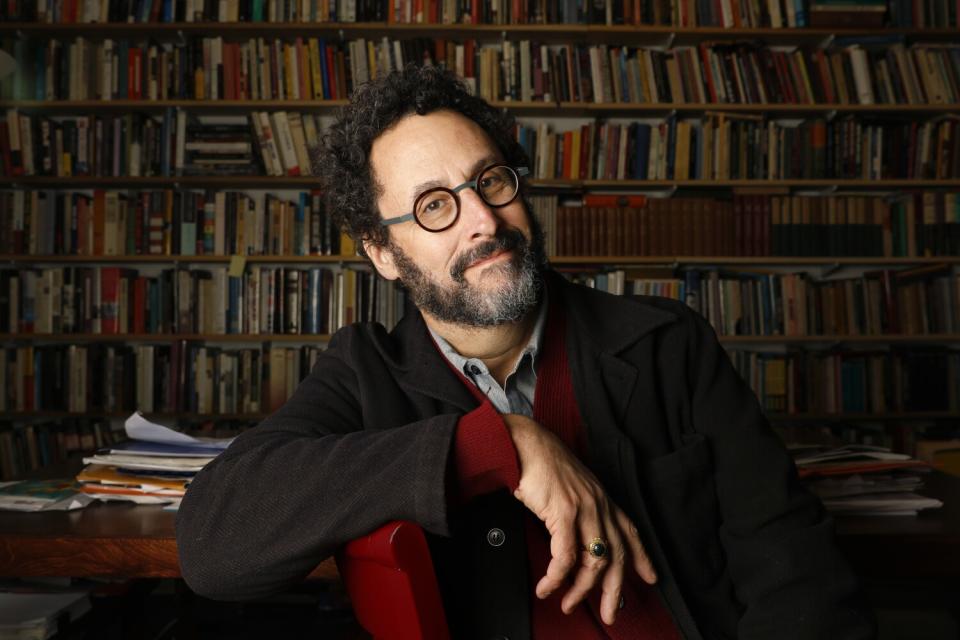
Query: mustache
point(505, 240)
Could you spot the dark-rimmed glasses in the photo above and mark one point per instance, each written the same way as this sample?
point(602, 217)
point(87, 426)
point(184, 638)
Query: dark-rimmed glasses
point(438, 209)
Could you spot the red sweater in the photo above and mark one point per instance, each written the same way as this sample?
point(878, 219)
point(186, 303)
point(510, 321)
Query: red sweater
point(486, 460)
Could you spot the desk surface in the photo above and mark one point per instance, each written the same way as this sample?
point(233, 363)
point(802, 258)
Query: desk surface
point(125, 540)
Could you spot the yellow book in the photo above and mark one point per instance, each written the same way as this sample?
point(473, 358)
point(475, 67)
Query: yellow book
point(347, 246)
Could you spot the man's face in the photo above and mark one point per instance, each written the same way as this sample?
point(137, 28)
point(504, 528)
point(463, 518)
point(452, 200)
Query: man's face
point(483, 271)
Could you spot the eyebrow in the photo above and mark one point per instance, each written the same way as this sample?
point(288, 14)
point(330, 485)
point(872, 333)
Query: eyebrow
point(431, 184)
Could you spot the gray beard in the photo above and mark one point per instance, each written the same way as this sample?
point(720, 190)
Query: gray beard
point(469, 305)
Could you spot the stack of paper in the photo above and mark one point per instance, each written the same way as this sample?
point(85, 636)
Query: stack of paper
point(865, 480)
point(153, 467)
point(42, 495)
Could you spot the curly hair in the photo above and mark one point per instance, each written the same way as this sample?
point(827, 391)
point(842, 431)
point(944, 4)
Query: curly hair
point(350, 188)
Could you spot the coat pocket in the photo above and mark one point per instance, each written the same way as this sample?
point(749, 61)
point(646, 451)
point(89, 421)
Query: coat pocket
point(681, 497)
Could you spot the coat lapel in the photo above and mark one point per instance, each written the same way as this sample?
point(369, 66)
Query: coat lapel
point(425, 370)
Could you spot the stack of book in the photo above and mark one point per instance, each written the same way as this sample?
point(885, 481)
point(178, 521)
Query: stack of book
point(153, 467)
point(864, 480)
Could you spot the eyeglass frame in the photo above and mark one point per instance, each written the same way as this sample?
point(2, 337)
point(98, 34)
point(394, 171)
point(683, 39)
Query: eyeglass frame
point(455, 191)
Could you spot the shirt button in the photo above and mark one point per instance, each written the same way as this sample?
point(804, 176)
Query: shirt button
point(495, 537)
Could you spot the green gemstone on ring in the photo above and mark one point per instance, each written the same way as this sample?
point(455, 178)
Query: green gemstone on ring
point(597, 549)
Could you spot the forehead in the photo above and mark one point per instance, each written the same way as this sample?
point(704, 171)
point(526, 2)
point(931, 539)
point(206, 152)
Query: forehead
point(441, 146)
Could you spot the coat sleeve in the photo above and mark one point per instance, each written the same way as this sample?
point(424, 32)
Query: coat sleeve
point(287, 493)
point(779, 542)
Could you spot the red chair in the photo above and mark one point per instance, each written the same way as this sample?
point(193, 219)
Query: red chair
point(390, 579)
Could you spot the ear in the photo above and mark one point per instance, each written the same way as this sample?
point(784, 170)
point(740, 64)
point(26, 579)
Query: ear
point(382, 260)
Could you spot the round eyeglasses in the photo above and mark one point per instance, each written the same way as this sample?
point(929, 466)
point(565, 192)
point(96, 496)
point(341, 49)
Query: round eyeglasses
point(438, 209)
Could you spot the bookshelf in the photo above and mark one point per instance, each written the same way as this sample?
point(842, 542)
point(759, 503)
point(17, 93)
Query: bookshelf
point(721, 98)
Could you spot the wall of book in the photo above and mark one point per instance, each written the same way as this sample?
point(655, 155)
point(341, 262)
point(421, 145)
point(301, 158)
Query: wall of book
point(686, 13)
point(165, 247)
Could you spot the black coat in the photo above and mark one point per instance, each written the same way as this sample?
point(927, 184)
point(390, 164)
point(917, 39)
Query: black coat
point(673, 433)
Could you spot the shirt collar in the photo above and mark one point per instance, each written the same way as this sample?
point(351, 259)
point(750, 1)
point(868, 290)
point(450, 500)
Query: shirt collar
point(533, 345)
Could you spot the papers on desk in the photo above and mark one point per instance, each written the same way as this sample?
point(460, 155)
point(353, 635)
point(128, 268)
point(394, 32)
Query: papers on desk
point(864, 480)
point(154, 467)
point(42, 495)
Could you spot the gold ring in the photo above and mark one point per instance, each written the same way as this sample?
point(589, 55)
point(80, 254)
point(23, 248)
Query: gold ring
point(597, 547)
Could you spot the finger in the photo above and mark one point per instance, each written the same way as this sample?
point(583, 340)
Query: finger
point(564, 554)
point(612, 585)
point(638, 554)
point(591, 568)
point(587, 576)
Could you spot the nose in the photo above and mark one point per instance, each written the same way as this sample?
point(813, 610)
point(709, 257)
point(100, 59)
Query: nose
point(480, 218)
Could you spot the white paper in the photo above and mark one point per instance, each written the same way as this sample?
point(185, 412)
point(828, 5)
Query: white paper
point(139, 428)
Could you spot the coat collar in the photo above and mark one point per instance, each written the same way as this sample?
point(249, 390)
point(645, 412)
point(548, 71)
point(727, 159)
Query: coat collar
point(611, 323)
point(602, 323)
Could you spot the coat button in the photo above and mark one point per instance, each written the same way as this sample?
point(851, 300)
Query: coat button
point(495, 537)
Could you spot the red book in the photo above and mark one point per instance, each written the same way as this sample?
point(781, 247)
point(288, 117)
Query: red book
point(229, 72)
point(5, 149)
point(705, 57)
point(567, 154)
point(331, 74)
point(134, 66)
point(612, 200)
point(109, 299)
point(155, 10)
point(433, 13)
point(139, 305)
point(468, 55)
point(99, 208)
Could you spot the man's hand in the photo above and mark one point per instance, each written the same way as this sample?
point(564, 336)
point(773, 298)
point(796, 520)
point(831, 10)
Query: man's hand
point(573, 505)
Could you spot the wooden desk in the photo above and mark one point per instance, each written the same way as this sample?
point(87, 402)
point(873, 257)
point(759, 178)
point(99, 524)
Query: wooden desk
point(105, 539)
point(121, 540)
point(908, 547)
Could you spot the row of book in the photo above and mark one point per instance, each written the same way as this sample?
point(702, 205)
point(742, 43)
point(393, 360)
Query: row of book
point(909, 225)
point(684, 13)
point(807, 381)
point(716, 147)
point(849, 71)
point(178, 377)
point(171, 143)
point(913, 302)
point(227, 223)
point(27, 447)
point(733, 147)
point(167, 222)
point(260, 301)
point(196, 378)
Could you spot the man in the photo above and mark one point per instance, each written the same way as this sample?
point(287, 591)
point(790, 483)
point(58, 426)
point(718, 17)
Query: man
point(585, 466)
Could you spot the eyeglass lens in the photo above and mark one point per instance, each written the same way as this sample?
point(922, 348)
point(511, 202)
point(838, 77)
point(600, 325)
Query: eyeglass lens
point(438, 208)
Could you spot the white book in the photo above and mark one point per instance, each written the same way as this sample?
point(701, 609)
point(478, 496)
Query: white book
point(271, 144)
point(281, 127)
point(861, 74)
point(526, 83)
point(299, 143)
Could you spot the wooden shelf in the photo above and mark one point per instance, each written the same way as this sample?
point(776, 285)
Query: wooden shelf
point(163, 337)
point(560, 261)
point(311, 182)
point(621, 33)
point(935, 338)
point(521, 108)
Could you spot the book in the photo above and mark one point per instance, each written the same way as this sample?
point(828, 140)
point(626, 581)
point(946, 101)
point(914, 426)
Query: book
point(42, 495)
